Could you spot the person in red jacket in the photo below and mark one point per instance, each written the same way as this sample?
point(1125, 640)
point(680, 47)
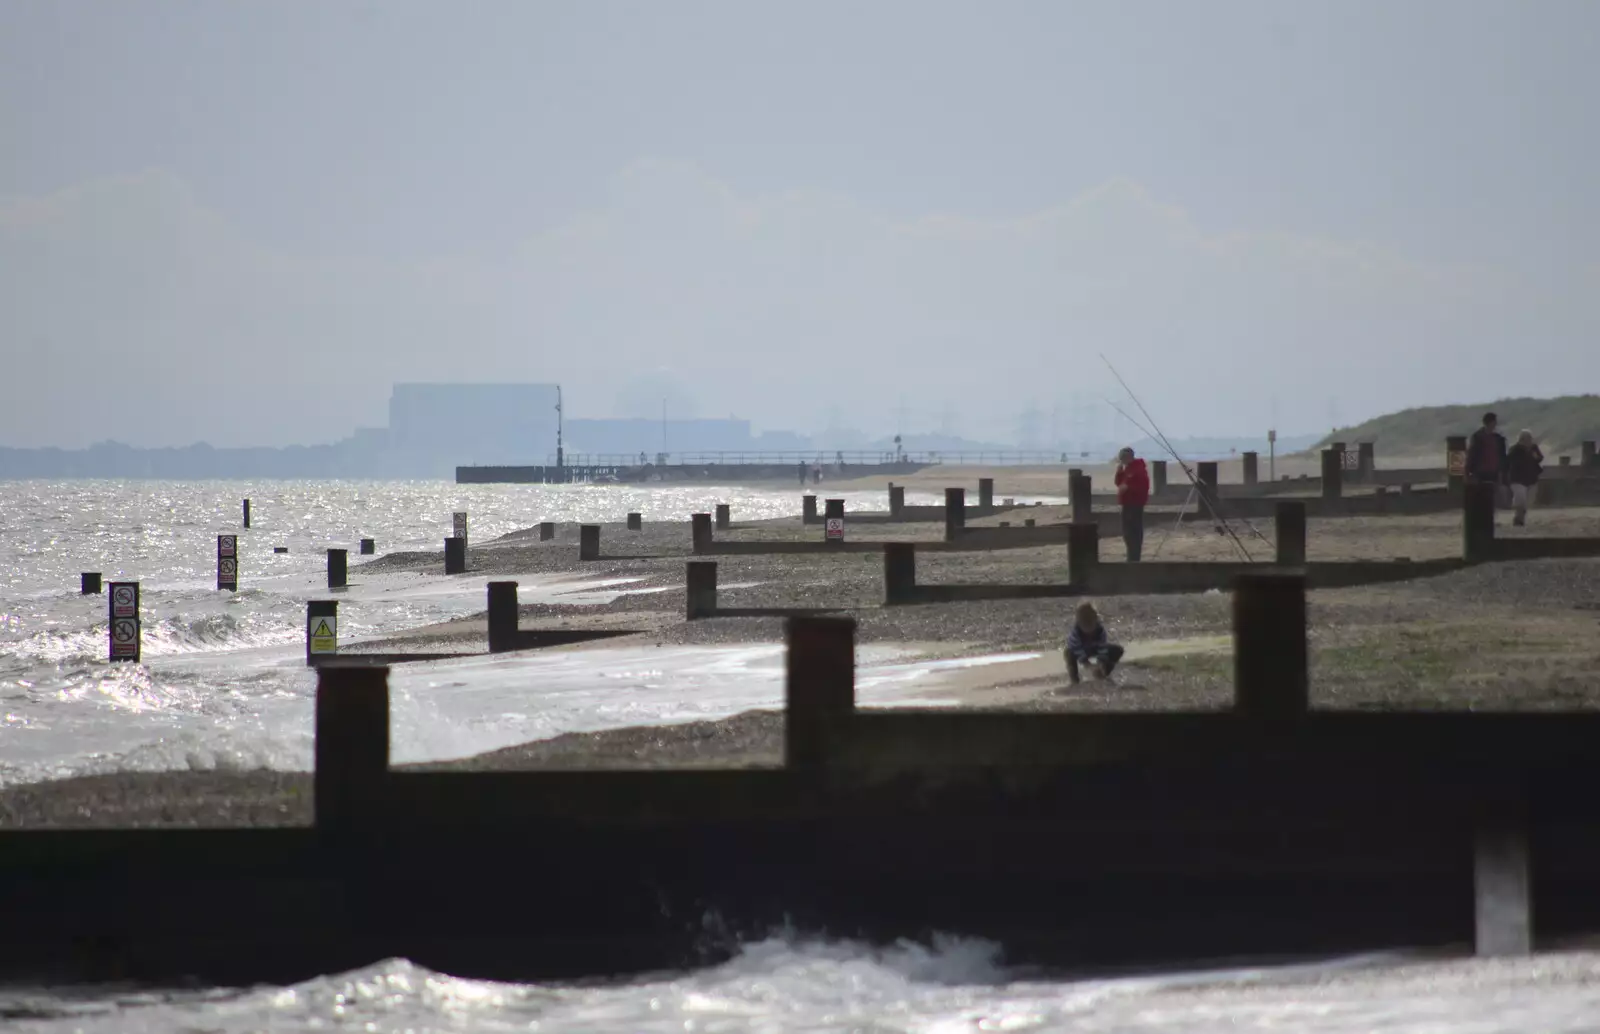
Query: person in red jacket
point(1133, 492)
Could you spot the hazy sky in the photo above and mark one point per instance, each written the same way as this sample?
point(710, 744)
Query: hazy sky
point(243, 221)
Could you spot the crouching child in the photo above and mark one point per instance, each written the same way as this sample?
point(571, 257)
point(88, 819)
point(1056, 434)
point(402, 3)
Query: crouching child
point(1089, 645)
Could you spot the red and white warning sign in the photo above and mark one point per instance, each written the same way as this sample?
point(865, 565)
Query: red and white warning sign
point(227, 545)
point(124, 602)
point(835, 527)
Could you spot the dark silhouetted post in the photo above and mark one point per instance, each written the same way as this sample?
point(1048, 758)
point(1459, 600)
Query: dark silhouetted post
point(1206, 474)
point(455, 555)
point(589, 542)
point(820, 687)
point(724, 515)
point(701, 589)
point(1083, 554)
point(89, 583)
point(1158, 475)
point(322, 629)
point(247, 513)
point(1455, 461)
point(808, 510)
point(700, 532)
point(1366, 461)
point(352, 745)
point(986, 493)
point(458, 525)
point(1502, 883)
point(547, 531)
point(897, 501)
point(1477, 522)
point(1251, 467)
point(338, 568)
point(1269, 645)
point(1080, 490)
point(1381, 495)
point(1564, 461)
point(369, 547)
point(899, 572)
point(1588, 456)
point(1332, 473)
point(955, 513)
point(635, 521)
point(502, 616)
point(1290, 532)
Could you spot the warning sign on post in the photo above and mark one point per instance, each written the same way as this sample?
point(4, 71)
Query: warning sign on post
point(323, 633)
point(124, 600)
point(227, 544)
point(835, 527)
point(228, 562)
point(1458, 463)
point(124, 625)
point(459, 525)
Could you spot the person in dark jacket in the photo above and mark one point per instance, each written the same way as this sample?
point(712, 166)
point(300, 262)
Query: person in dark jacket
point(1133, 492)
point(1486, 453)
point(1089, 645)
point(1524, 464)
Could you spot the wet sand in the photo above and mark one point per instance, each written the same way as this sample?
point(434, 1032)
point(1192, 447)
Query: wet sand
point(1517, 636)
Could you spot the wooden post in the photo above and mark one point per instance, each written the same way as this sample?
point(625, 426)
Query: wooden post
point(322, 630)
point(338, 568)
point(897, 501)
point(502, 616)
point(724, 515)
point(1588, 454)
point(1477, 522)
point(125, 631)
point(1270, 679)
point(808, 510)
point(819, 686)
point(833, 521)
point(547, 531)
point(247, 513)
point(986, 493)
point(701, 589)
point(589, 542)
point(89, 583)
point(1158, 476)
point(955, 513)
point(455, 555)
point(1205, 472)
point(1083, 554)
point(1502, 885)
point(1080, 491)
point(1251, 467)
point(1455, 461)
point(1290, 531)
point(228, 562)
point(899, 572)
point(1366, 461)
point(352, 745)
point(635, 521)
point(700, 537)
point(1332, 473)
point(369, 547)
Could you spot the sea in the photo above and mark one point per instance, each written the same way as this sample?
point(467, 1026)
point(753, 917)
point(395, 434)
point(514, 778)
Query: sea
point(222, 684)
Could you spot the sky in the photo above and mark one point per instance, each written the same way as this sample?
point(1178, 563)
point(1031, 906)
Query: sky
point(242, 222)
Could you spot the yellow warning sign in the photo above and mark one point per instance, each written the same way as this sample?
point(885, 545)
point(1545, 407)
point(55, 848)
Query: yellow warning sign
point(324, 635)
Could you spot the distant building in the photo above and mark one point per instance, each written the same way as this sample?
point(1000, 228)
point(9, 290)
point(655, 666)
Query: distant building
point(473, 423)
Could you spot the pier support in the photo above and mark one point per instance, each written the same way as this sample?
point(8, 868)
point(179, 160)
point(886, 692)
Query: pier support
point(820, 685)
point(986, 493)
point(455, 555)
point(1289, 518)
point(1269, 646)
point(724, 514)
point(589, 542)
point(352, 745)
point(701, 589)
point(338, 568)
point(1083, 554)
point(955, 513)
point(899, 572)
point(502, 616)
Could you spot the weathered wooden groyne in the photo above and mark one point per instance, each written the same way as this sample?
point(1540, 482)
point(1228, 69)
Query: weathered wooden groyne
point(1097, 839)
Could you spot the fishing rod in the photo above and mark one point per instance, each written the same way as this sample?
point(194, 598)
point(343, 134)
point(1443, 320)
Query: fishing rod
point(1166, 444)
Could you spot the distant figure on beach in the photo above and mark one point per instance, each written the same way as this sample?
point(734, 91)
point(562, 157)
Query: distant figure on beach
point(1524, 464)
point(1089, 645)
point(1133, 492)
point(1486, 456)
point(802, 472)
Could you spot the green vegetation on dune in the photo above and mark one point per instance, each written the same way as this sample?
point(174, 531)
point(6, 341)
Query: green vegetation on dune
point(1559, 424)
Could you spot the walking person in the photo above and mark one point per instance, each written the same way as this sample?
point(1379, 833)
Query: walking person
point(1524, 464)
point(1133, 493)
point(1486, 456)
